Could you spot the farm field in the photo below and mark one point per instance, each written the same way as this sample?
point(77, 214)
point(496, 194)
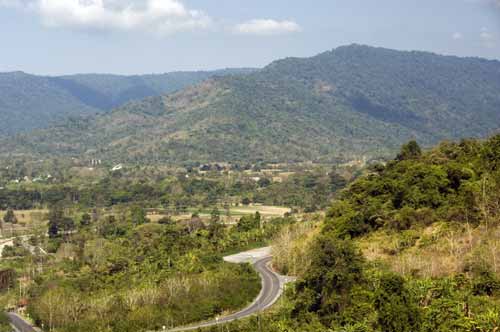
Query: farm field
point(228, 217)
point(27, 222)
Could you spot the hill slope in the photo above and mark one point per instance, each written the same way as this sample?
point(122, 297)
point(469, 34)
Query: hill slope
point(350, 102)
point(30, 102)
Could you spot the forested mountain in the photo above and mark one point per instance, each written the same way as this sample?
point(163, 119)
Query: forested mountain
point(349, 102)
point(29, 102)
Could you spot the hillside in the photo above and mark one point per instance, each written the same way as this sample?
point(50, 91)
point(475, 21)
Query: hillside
point(29, 102)
point(410, 246)
point(350, 102)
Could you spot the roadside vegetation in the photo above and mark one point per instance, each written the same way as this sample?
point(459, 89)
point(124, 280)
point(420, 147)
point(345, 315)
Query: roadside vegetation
point(413, 245)
point(133, 250)
point(126, 273)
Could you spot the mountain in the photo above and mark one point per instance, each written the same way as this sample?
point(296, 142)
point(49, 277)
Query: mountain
point(30, 102)
point(351, 102)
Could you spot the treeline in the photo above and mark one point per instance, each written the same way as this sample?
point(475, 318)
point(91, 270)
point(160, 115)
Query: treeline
point(309, 190)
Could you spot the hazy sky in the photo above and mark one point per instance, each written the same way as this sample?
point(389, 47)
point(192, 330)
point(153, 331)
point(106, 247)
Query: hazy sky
point(153, 36)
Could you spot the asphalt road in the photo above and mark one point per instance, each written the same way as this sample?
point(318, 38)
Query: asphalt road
point(269, 294)
point(19, 324)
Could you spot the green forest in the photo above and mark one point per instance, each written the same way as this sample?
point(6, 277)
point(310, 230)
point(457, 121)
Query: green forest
point(352, 102)
point(412, 245)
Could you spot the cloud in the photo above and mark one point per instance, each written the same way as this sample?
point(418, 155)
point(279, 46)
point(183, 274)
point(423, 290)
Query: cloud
point(457, 36)
point(487, 38)
point(159, 16)
point(266, 27)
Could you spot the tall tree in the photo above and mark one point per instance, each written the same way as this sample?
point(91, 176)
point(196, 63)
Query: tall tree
point(411, 150)
point(56, 220)
point(10, 217)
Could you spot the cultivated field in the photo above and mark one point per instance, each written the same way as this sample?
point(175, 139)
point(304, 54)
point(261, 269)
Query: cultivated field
point(27, 221)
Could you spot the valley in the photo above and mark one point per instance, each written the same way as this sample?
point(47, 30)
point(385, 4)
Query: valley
point(356, 190)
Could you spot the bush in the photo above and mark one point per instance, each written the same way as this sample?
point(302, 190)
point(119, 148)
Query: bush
point(486, 284)
point(397, 310)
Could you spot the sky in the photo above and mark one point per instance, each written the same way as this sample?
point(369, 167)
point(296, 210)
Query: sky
point(54, 37)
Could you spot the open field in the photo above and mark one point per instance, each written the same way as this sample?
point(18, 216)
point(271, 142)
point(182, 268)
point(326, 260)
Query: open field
point(239, 211)
point(270, 211)
point(27, 217)
point(27, 221)
point(235, 213)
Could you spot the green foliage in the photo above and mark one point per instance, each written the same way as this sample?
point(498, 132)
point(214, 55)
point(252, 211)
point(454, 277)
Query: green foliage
point(455, 184)
point(56, 220)
point(85, 220)
point(410, 150)
point(335, 269)
point(248, 223)
point(138, 215)
point(397, 310)
point(10, 217)
point(4, 323)
point(31, 102)
point(447, 183)
point(124, 274)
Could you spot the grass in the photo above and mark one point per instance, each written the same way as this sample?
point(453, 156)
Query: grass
point(436, 251)
point(235, 213)
point(27, 221)
point(264, 210)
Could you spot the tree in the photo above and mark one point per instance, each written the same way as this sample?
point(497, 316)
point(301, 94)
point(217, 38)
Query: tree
point(396, 310)
point(166, 221)
point(409, 151)
point(336, 267)
point(336, 181)
point(264, 182)
point(138, 215)
point(53, 229)
point(86, 219)
point(10, 217)
point(56, 220)
point(215, 227)
point(247, 223)
point(68, 225)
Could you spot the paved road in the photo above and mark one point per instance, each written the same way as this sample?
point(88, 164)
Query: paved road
point(269, 294)
point(20, 324)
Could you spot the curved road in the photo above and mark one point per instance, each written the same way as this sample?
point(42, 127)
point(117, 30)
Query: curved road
point(20, 324)
point(269, 294)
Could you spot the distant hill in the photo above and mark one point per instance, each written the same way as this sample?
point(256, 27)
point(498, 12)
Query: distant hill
point(346, 103)
point(29, 102)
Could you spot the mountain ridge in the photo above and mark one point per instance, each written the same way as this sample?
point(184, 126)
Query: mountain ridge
point(351, 102)
point(30, 101)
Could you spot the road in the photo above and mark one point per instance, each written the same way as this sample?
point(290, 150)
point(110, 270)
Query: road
point(24, 242)
point(20, 325)
point(272, 285)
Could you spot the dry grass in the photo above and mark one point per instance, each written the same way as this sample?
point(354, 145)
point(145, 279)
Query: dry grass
point(291, 248)
point(28, 220)
point(235, 213)
point(272, 211)
point(437, 251)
